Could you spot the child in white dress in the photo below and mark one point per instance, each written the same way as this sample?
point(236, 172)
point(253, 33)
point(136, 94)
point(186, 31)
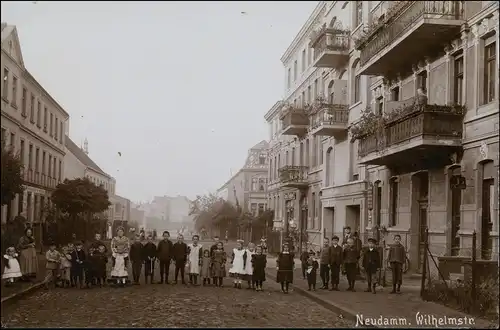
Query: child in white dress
point(249, 267)
point(238, 261)
point(12, 270)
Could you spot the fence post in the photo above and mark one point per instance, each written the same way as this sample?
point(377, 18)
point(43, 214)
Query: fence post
point(424, 266)
point(473, 266)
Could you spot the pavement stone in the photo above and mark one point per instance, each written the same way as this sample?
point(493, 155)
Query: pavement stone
point(403, 306)
point(162, 305)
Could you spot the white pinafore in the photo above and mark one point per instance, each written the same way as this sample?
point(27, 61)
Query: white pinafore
point(194, 259)
point(249, 266)
point(238, 266)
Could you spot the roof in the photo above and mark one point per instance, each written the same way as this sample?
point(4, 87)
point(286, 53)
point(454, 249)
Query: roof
point(82, 156)
point(261, 145)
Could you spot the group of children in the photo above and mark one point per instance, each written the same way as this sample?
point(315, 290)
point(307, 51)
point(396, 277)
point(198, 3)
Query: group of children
point(335, 259)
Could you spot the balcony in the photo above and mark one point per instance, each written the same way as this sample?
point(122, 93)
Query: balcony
point(293, 176)
point(294, 121)
point(330, 120)
point(407, 33)
point(414, 137)
point(331, 48)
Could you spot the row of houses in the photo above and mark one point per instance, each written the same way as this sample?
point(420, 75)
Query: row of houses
point(36, 126)
point(389, 125)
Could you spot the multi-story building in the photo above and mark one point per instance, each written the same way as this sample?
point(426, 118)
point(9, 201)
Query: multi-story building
point(166, 213)
point(247, 187)
point(422, 148)
point(34, 124)
point(313, 109)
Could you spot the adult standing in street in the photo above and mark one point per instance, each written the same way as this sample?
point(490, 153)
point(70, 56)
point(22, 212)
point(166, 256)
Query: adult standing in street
point(347, 235)
point(335, 255)
point(28, 259)
point(164, 255)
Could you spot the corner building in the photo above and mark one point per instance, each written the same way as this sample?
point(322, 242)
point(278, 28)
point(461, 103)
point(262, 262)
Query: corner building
point(433, 164)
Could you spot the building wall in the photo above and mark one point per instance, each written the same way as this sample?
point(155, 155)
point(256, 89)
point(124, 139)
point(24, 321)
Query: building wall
point(34, 124)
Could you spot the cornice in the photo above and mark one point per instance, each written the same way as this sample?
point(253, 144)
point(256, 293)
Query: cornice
point(305, 31)
point(273, 111)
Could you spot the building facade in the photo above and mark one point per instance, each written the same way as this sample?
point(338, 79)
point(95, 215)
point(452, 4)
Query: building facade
point(247, 188)
point(419, 147)
point(34, 124)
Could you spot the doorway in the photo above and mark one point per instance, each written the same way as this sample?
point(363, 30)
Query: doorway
point(353, 217)
point(422, 184)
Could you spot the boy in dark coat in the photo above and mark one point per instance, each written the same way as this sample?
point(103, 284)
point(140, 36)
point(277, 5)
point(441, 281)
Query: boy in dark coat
point(180, 253)
point(164, 255)
point(99, 261)
point(312, 269)
point(397, 255)
point(78, 259)
point(350, 257)
point(371, 263)
point(136, 258)
point(324, 260)
point(149, 251)
point(214, 246)
point(335, 255)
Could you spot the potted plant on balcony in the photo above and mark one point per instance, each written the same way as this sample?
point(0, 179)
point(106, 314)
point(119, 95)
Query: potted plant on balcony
point(369, 123)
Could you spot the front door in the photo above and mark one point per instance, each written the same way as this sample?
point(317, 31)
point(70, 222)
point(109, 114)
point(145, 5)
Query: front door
point(422, 224)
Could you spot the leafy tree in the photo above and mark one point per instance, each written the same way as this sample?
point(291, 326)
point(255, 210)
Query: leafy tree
point(213, 213)
point(80, 198)
point(12, 180)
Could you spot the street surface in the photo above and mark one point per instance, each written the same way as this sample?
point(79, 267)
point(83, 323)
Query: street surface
point(162, 305)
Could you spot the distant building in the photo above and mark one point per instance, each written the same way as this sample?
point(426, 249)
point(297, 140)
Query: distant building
point(165, 212)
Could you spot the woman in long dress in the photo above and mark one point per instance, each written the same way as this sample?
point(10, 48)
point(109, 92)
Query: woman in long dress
point(239, 259)
point(194, 260)
point(28, 259)
point(120, 246)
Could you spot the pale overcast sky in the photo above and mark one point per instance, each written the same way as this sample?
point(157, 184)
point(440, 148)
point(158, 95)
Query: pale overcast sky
point(179, 88)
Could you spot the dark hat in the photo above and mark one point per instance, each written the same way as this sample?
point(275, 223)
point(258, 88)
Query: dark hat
point(372, 240)
point(335, 237)
point(312, 252)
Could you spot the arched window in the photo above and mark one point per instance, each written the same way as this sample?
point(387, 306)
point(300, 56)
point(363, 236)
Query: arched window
point(356, 88)
point(332, 22)
point(330, 92)
point(329, 167)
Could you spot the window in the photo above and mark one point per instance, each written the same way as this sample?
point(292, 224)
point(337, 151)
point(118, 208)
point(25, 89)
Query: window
point(262, 184)
point(309, 95)
point(39, 114)
point(395, 94)
point(61, 129)
point(51, 131)
point(422, 81)
point(313, 208)
point(330, 92)
point(3, 136)
point(316, 89)
point(289, 78)
point(44, 156)
point(357, 88)
point(14, 91)
point(489, 72)
point(303, 60)
point(32, 109)
point(30, 156)
point(310, 56)
point(254, 184)
point(488, 210)
point(456, 203)
point(23, 100)
point(262, 160)
point(261, 208)
point(37, 160)
point(49, 172)
point(458, 80)
point(379, 104)
point(12, 140)
point(5, 90)
point(45, 118)
point(54, 168)
point(304, 101)
point(21, 152)
point(253, 209)
point(56, 126)
point(359, 13)
point(295, 70)
point(393, 185)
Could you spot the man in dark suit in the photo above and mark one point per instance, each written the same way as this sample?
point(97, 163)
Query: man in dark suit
point(335, 260)
point(371, 263)
point(164, 255)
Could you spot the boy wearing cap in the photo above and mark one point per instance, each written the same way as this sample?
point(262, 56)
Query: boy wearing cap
point(371, 263)
point(78, 259)
point(397, 255)
point(335, 260)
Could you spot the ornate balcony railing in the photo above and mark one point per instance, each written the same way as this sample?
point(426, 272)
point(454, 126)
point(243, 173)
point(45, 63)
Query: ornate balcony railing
point(330, 39)
point(294, 175)
point(331, 114)
point(440, 121)
point(399, 17)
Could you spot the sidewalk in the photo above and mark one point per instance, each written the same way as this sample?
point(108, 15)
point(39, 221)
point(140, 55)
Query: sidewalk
point(400, 309)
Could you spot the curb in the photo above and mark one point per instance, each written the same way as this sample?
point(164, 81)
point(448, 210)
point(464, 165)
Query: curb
point(23, 293)
point(336, 308)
